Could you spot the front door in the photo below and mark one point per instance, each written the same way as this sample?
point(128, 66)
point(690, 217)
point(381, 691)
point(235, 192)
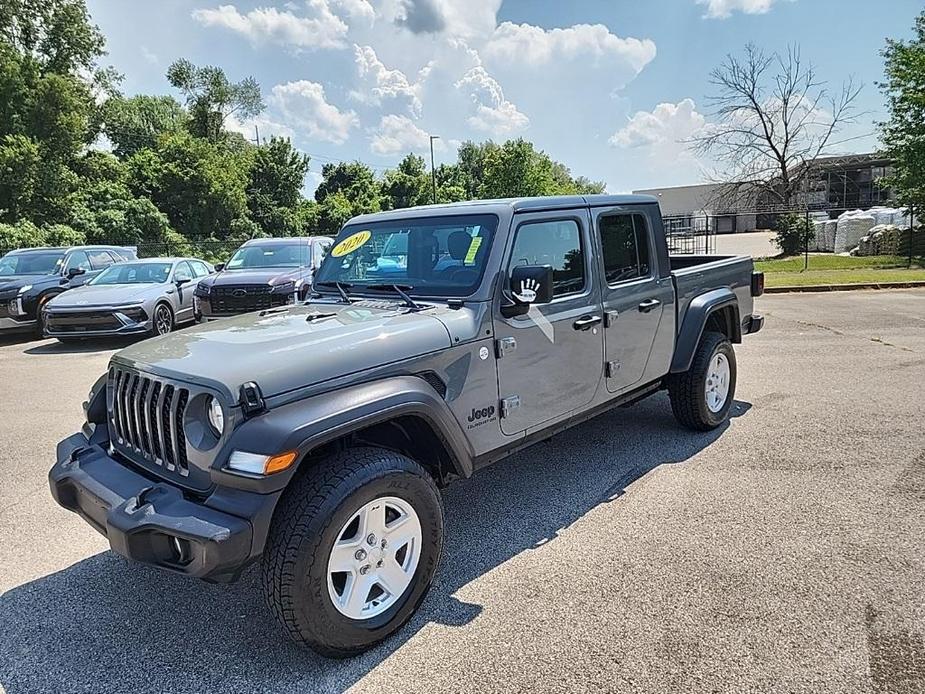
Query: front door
point(185, 291)
point(551, 359)
point(633, 296)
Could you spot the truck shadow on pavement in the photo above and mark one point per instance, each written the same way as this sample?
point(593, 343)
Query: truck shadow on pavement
point(105, 624)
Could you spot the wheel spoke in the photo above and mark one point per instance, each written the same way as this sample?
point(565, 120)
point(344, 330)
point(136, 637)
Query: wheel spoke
point(356, 591)
point(392, 578)
point(343, 557)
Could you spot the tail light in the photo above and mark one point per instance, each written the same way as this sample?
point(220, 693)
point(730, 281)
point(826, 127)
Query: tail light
point(757, 283)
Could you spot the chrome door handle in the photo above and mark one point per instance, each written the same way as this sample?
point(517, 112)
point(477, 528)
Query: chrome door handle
point(585, 322)
point(648, 305)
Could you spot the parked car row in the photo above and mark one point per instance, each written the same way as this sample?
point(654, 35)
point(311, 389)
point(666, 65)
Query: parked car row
point(104, 291)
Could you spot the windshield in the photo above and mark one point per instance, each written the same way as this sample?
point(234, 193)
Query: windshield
point(270, 255)
point(133, 273)
point(41, 263)
point(437, 256)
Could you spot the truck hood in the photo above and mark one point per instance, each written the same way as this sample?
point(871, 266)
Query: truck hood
point(285, 349)
point(103, 295)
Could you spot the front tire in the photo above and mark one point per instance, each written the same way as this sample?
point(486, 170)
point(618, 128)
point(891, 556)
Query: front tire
point(352, 550)
point(163, 320)
point(702, 396)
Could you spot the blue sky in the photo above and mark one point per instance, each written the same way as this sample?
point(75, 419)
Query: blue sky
point(609, 87)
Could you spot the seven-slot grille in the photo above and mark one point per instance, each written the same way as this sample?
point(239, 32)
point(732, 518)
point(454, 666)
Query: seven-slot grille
point(147, 419)
point(244, 298)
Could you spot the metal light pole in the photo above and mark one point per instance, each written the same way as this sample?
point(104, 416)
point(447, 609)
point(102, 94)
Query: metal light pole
point(433, 171)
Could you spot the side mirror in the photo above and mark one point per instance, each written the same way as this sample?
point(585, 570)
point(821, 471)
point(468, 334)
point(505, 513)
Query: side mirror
point(219, 267)
point(180, 282)
point(529, 285)
point(74, 272)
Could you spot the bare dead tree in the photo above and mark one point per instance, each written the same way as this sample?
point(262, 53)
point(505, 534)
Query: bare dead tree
point(771, 118)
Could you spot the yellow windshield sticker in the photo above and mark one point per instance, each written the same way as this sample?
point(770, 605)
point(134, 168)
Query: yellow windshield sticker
point(473, 249)
point(351, 243)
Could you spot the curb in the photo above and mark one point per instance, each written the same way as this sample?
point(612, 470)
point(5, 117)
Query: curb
point(845, 287)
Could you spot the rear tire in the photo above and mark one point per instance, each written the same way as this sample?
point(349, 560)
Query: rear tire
point(312, 528)
point(702, 396)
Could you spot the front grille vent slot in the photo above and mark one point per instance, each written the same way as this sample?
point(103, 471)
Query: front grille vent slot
point(147, 419)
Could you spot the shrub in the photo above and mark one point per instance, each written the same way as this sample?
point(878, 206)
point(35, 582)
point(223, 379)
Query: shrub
point(793, 233)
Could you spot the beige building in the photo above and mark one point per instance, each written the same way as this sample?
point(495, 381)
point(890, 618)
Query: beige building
point(718, 202)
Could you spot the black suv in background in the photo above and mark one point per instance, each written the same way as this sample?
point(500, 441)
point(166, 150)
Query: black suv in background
point(262, 274)
point(29, 277)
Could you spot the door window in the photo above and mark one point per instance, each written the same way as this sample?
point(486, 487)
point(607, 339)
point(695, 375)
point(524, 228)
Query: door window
point(183, 272)
point(78, 259)
point(99, 260)
point(626, 247)
point(556, 243)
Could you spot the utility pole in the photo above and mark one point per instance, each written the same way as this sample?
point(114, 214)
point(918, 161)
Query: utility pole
point(257, 134)
point(433, 171)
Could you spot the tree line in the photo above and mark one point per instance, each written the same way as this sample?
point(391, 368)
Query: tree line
point(82, 163)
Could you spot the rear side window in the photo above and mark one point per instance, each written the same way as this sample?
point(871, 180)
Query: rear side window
point(626, 247)
point(556, 243)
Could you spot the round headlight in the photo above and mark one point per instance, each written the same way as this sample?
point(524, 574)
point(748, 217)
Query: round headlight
point(216, 416)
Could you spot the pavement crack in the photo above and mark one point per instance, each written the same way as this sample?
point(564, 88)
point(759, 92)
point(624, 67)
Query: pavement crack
point(821, 326)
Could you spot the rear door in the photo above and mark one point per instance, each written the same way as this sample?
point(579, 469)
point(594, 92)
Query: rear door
point(547, 364)
point(634, 298)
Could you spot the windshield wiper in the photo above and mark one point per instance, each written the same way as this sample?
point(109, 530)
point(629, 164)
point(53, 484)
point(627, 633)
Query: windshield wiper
point(400, 290)
point(340, 286)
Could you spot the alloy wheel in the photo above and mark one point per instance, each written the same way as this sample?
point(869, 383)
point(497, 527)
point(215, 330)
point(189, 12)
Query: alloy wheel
point(374, 558)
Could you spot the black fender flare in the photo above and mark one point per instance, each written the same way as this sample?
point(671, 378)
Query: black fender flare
point(695, 320)
point(305, 425)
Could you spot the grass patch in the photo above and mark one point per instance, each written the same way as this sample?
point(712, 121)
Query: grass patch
point(828, 261)
point(777, 278)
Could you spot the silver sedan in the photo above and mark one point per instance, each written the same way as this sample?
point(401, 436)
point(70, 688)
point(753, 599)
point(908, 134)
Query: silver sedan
point(142, 296)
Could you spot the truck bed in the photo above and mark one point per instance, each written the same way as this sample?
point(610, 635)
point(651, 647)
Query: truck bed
point(696, 274)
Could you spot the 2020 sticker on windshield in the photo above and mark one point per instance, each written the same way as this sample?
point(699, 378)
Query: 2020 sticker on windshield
point(351, 243)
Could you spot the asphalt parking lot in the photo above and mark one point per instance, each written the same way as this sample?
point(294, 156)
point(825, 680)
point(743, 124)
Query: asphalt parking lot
point(783, 553)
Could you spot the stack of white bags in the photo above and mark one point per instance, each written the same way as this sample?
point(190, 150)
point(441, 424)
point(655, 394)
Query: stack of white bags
point(844, 234)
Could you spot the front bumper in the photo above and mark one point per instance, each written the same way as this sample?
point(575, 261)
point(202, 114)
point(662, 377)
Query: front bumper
point(148, 520)
point(13, 324)
point(85, 323)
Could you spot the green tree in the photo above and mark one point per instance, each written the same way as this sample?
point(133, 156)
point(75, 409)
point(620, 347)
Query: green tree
point(274, 187)
point(903, 134)
point(55, 34)
point(346, 190)
point(517, 169)
point(137, 122)
point(212, 99)
point(408, 185)
point(198, 184)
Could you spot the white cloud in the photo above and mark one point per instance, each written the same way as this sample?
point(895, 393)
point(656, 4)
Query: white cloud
point(452, 18)
point(666, 125)
point(722, 9)
point(303, 105)
point(354, 9)
point(149, 55)
point(379, 83)
point(319, 28)
point(493, 113)
point(398, 134)
point(535, 46)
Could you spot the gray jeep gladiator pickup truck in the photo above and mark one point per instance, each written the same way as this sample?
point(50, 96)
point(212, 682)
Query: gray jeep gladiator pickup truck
point(315, 437)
